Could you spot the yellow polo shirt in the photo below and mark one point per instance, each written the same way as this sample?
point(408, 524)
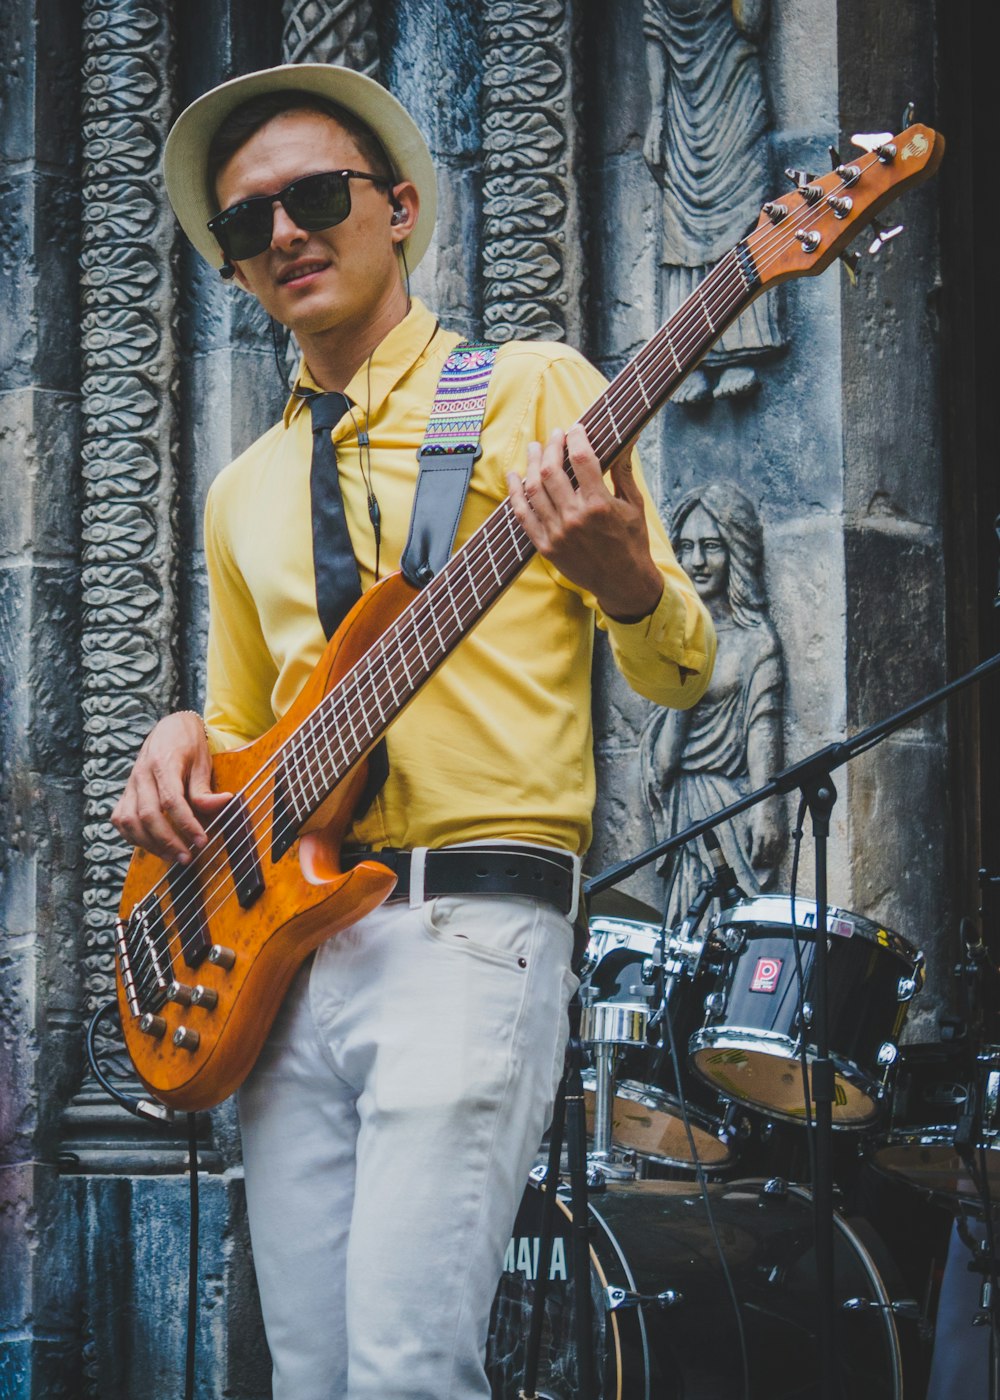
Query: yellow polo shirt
point(498, 742)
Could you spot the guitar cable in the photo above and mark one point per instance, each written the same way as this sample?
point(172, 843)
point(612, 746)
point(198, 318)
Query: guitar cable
point(152, 1112)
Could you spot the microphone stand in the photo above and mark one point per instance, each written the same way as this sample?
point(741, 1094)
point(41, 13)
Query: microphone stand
point(811, 776)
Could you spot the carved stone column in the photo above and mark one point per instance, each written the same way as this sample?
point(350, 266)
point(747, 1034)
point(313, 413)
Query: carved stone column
point(532, 257)
point(129, 675)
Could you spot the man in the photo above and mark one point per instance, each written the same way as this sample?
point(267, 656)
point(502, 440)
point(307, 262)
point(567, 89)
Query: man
point(390, 1121)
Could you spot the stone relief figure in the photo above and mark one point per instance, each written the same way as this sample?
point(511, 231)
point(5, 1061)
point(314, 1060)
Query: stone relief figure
point(697, 761)
point(707, 147)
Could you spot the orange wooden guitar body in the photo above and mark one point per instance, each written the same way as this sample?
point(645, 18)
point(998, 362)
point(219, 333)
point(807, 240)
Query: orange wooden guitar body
point(306, 899)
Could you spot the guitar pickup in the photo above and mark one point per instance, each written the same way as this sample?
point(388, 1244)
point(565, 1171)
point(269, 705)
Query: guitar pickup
point(189, 913)
point(241, 848)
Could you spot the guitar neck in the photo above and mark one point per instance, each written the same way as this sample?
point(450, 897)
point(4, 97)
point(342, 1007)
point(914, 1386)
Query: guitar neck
point(353, 717)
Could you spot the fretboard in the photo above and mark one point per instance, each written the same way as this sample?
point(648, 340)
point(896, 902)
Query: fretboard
point(355, 714)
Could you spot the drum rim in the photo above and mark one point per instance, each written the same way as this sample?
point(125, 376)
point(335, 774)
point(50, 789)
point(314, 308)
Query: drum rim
point(733, 1038)
point(650, 1096)
point(740, 915)
point(637, 1092)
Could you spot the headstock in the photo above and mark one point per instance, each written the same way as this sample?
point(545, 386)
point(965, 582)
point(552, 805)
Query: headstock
point(801, 233)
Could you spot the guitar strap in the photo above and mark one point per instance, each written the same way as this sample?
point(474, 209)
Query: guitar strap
point(446, 456)
point(449, 450)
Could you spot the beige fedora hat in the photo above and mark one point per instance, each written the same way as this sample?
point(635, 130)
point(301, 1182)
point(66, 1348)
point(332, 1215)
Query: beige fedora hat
point(185, 155)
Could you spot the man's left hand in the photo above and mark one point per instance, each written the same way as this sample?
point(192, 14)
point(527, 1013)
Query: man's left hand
point(597, 539)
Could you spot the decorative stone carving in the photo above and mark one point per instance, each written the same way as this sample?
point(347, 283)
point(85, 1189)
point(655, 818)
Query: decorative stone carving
point(707, 146)
point(128, 446)
point(696, 761)
point(318, 31)
point(531, 214)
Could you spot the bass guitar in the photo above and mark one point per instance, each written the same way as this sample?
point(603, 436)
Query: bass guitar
point(205, 951)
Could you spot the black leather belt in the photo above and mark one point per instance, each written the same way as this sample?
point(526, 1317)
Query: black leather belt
point(526, 870)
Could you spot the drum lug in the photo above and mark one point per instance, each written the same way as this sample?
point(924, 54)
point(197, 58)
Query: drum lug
point(733, 940)
point(774, 1189)
point(806, 1019)
point(907, 988)
point(715, 1003)
point(618, 1298)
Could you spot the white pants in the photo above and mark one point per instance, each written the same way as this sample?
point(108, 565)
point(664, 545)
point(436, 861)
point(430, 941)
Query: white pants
point(388, 1128)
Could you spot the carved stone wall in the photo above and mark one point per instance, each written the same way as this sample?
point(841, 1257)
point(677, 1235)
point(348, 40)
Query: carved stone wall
point(129, 437)
point(532, 255)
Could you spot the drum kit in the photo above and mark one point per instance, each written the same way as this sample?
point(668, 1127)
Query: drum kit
point(697, 1048)
point(700, 1063)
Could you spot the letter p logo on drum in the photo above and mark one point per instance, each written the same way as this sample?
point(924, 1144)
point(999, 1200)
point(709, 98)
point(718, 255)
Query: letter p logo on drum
point(766, 974)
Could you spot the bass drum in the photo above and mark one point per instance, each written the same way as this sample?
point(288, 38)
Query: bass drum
point(664, 1327)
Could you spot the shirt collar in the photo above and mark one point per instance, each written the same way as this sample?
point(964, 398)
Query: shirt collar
point(394, 356)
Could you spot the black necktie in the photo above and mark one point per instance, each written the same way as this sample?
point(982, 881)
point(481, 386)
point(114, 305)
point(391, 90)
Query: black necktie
point(338, 585)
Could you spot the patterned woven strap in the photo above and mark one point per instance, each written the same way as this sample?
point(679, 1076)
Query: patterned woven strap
point(460, 399)
point(447, 456)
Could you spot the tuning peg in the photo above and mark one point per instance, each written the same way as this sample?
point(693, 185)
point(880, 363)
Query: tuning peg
point(871, 140)
point(799, 178)
point(909, 112)
point(851, 262)
point(834, 157)
point(882, 235)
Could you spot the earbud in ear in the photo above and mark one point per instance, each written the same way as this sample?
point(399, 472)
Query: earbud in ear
point(398, 217)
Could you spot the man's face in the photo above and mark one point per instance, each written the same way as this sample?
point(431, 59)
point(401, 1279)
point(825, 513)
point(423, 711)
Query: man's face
point(338, 278)
point(702, 554)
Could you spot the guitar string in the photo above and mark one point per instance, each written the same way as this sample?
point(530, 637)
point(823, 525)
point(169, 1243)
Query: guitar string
point(717, 294)
point(317, 720)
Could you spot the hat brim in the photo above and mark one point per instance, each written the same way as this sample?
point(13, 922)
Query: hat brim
point(185, 155)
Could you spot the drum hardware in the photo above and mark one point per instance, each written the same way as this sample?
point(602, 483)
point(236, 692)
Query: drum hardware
point(621, 1298)
point(902, 1307)
point(644, 1101)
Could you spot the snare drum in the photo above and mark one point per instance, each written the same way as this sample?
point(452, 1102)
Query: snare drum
point(646, 1115)
point(662, 1322)
point(941, 1092)
point(749, 1046)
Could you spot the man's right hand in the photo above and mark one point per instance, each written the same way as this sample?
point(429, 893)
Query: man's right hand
point(169, 792)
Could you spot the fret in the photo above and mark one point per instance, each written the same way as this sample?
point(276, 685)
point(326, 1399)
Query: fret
point(391, 682)
point(642, 386)
point(402, 658)
point(446, 576)
point(420, 648)
point(472, 581)
point(673, 353)
point(350, 725)
point(493, 563)
point(437, 629)
point(345, 757)
point(331, 762)
point(295, 782)
point(704, 308)
point(376, 695)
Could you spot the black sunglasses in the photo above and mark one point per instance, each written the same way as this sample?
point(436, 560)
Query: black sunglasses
point(313, 202)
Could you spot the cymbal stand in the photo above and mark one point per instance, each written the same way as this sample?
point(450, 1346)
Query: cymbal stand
point(569, 1116)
